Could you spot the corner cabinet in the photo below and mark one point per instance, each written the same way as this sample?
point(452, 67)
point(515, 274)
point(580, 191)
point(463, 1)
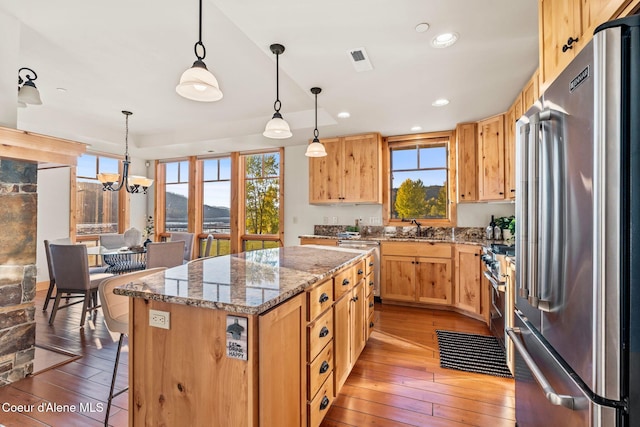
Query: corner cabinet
point(351, 172)
point(491, 158)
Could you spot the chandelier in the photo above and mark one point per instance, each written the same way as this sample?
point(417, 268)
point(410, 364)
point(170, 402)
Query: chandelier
point(133, 183)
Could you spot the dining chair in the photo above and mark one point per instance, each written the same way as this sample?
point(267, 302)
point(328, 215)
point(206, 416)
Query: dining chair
point(52, 278)
point(207, 247)
point(187, 238)
point(71, 271)
point(115, 309)
point(165, 254)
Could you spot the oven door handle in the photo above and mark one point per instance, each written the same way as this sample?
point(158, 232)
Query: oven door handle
point(571, 402)
point(496, 285)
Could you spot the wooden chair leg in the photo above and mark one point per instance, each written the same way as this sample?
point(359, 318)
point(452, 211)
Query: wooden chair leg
point(85, 305)
point(113, 382)
point(52, 284)
point(56, 303)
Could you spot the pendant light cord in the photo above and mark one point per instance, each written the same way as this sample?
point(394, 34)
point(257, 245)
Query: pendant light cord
point(277, 104)
point(199, 42)
point(315, 131)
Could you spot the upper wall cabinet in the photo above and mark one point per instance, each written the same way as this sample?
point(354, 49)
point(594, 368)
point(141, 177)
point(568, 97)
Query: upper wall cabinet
point(466, 137)
point(511, 117)
point(491, 158)
point(566, 26)
point(560, 35)
point(350, 173)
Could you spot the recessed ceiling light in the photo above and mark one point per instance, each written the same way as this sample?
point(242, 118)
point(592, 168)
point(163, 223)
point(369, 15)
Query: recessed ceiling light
point(422, 27)
point(444, 40)
point(440, 102)
point(344, 115)
point(416, 128)
point(211, 151)
point(61, 89)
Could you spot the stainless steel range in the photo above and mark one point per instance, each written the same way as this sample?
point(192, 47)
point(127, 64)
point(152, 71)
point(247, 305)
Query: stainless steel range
point(494, 258)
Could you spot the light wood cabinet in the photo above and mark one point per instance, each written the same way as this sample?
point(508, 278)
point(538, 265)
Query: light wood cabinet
point(491, 158)
point(468, 294)
point(322, 242)
point(511, 117)
point(530, 93)
point(466, 137)
point(559, 22)
point(351, 172)
point(416, 272)
point(566, 26)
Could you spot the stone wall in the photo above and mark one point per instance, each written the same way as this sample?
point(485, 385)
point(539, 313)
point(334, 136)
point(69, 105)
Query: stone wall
point(18, 217)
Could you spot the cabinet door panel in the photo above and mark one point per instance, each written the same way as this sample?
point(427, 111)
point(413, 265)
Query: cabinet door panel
point(341, 341)
point(358, 317)
point(510, 153)
point(560, 20)
point(325, 173)
point(468, 270)
point(398, 278)
point(362, 169)
point(491, 158)
point(466, 135)
point(433, 280)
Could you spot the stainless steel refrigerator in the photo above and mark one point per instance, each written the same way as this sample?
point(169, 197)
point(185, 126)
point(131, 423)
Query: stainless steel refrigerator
point(577, 316)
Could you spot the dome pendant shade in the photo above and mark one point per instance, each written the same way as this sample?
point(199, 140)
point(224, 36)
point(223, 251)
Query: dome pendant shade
point(199, 84)
point(277, 128)
point(315, 149)
point(29, 94)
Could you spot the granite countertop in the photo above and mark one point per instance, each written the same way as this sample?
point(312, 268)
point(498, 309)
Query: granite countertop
point(249, 282)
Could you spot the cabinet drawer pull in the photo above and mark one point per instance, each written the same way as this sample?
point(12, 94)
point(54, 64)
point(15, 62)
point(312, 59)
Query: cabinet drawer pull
point(370, 304)
point(501, 193)
point(360, 272)
point(324, 367)
point(323, 298)
point(370, 263)
point(371, 283)
point(324, 403)
point(324, 332)
point(345, 282)
point(354, 299)
point(371, 324)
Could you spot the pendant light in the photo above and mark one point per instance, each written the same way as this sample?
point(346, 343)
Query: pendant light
point(27, 90)
point(133, 184)
point(316, 149)
point(277, 127)
point(197, 83)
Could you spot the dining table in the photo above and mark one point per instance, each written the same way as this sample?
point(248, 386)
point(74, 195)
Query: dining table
point(121, 260)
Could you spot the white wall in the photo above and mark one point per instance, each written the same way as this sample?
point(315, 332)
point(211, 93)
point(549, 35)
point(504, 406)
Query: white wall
point(300, 216)
point(53, 212)
point(9, 66)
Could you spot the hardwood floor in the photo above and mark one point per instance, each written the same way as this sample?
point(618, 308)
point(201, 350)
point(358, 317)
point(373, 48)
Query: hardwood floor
point(396, 382)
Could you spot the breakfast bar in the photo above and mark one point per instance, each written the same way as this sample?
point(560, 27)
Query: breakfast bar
point(248, 339)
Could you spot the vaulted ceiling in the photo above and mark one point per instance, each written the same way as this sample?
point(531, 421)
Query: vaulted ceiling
point(115, 55)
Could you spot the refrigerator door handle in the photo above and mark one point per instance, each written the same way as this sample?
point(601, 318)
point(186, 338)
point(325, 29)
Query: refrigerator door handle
point(522, 239)
point(532, 211)
point(571, 402)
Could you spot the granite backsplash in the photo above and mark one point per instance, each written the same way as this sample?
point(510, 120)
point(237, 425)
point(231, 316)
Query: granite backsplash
point(434, 233)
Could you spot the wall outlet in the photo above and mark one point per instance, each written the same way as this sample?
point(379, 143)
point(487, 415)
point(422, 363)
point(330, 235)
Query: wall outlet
point(334, 220)
point(372, 220)
point(159, 319)
point(325, 220)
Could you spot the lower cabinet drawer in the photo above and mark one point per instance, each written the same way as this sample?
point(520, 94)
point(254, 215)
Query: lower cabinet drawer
point(319, 299)
point(319, 370)
point(319, 333)
point(370, 305)
point(319, 406)
point(343, 282)
point(369, 284)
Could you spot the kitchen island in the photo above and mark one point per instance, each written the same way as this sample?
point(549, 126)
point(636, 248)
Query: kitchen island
point(260, 338)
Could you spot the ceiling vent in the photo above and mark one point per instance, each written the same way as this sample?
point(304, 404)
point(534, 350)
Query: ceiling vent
point(360, 59)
